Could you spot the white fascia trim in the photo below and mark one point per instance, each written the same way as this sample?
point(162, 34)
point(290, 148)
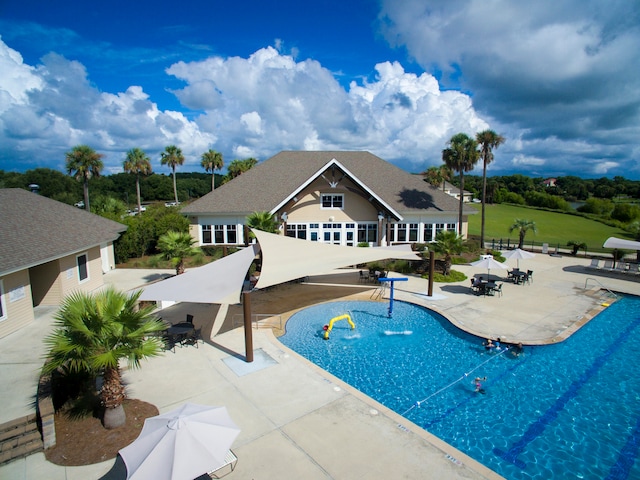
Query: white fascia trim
point(345, 170)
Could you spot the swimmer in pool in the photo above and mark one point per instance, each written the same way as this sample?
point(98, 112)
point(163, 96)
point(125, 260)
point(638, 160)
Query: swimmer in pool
point(478, 381)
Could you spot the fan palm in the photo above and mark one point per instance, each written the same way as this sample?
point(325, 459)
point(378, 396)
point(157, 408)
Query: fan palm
point(488, 141)
point(173, 157)
point(461, 156)
point(448, 243)
point(83, 162)
point(211, 161)
point(137, 162)
point(523, 226)
point(93, 332)
point(264, 221)
point(176, 246)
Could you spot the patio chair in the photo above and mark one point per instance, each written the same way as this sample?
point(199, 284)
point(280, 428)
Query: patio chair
point(229, 465)
point(530, 276)
point(364, 276)
point(193, 337)
point(498, 290)
point(170, 341)
point(190, 318)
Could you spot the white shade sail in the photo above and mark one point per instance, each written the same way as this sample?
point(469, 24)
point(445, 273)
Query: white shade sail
point(283, 259)
point(286, 258)
point(217, 282)
point(613, 242)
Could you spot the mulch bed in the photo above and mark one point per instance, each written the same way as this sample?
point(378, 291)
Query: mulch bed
point(85, 441)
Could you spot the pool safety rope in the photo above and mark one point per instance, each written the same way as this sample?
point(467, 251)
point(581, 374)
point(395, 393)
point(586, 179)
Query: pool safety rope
point(420, 402)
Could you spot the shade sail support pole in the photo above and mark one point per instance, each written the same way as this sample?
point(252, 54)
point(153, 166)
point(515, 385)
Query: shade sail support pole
point(248, 333)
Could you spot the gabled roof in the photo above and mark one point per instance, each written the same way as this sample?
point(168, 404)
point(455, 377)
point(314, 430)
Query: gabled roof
point(35, 230)
point(270, 183)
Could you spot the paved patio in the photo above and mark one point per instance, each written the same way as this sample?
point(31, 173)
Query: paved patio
point(298, 421)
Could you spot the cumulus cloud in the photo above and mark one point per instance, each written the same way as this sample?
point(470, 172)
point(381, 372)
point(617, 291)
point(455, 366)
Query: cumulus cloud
point(565, 70)
point(270, 102)
point(47, 109)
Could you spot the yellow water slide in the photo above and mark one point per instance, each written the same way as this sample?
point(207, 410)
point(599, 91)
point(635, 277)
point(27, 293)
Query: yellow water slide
point(327, 328)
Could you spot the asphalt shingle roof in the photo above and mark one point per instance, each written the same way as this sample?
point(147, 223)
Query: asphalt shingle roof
point(267, 184)
point(36, 229)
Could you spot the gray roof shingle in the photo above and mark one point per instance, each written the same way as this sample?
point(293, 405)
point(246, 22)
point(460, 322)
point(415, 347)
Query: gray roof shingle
point(36, 229)
point(267, 184)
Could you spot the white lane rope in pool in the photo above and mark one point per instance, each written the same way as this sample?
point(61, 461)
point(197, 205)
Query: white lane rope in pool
point(420, 402)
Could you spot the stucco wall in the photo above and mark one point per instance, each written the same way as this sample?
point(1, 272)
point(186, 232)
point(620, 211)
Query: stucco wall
point(17, 302)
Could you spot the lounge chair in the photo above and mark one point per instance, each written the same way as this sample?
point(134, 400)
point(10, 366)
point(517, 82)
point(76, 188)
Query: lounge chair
point(595, 263)
point(621, 267)
point(608, 265)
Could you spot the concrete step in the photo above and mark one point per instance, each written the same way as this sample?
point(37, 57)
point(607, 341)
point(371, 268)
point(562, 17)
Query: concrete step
point(19, 438)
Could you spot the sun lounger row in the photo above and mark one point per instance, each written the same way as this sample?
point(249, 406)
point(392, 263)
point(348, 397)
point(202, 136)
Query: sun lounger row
point(619, 267)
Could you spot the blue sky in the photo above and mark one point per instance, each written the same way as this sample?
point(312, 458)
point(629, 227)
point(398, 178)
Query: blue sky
point(558, 79)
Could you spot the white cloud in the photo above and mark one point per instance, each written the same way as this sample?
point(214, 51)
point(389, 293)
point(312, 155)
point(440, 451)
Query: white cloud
point(47, 109)
point(270, 101)
point(565, 71)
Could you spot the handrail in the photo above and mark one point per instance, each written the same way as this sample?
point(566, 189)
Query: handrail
point(601, 285)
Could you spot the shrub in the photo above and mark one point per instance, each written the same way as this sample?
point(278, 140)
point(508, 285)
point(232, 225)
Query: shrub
point(454, 276)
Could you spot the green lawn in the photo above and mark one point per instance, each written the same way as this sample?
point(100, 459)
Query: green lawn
point(553, 228)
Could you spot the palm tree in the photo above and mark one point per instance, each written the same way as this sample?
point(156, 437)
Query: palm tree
point(264, 221)
point(137, 162)
point(488, 140)
point(211, 161)
point(238, 167)
point(523, 226)
point(173, 157)
point(448, 243)
point(176, 246)
point(94, 332)
point(83, 162)
point(433, 175)
point(461, 156)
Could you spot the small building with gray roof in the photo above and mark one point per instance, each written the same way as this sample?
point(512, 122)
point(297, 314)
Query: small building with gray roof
point(335, 197)
point(47, 250)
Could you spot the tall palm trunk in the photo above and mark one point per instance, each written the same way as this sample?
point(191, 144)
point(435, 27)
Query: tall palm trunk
point(138, 194)
point(484, 200)
point(85, 191)
point(461, 202)
point(175, 188)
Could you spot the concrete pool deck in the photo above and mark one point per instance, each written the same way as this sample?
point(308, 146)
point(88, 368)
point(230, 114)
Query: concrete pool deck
point(297, 420)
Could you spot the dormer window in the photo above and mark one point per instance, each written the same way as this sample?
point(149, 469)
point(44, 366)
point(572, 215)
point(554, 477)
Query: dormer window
point(332, 201)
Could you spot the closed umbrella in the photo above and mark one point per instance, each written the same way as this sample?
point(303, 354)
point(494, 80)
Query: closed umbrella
point(489, 263)
point(517, 254)
point(181, 444)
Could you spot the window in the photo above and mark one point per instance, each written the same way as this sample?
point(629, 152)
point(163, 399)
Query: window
point(368, 232)
point(206, 234)
point(225, 234)
point(334, 201)
point(3, 309)
point(439, 228)
point(402, 232)
point(297, 231)
point(83, 267)
point(451, 227)
point(413, 232)
point(428, 232)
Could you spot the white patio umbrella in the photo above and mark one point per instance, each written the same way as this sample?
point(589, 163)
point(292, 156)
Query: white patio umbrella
point(517, 254)
point(489, 263)
point(181, 444)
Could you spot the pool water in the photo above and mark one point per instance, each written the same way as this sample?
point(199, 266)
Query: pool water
point(569, 410)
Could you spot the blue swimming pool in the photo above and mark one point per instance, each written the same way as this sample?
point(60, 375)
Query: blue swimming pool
point(572, 408)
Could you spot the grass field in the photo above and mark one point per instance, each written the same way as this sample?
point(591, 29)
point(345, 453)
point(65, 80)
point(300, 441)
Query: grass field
point(553, 228)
